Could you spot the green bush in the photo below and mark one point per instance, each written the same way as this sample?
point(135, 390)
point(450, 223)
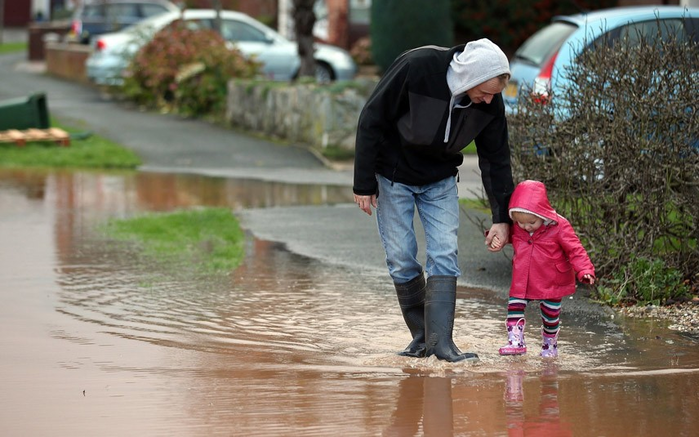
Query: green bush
point(399, 25)
point(642, 281)
point(185, 71)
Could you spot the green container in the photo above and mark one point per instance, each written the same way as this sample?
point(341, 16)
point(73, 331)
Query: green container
point(24, 113)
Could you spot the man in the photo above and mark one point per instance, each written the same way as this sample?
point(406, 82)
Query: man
point(429, 105)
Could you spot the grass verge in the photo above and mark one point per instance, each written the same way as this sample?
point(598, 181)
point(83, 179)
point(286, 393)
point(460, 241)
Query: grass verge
point(85, 151)
point(13, 47)
point(207, 240)
point(477, 204)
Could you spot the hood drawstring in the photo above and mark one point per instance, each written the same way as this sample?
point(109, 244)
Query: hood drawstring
point(452, 106)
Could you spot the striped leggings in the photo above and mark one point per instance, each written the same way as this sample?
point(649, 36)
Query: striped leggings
point(550, 313)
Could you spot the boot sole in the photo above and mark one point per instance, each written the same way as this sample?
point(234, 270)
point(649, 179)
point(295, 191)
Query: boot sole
point(512, 352)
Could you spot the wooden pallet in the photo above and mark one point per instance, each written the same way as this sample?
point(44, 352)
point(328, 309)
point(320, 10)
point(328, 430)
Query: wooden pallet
point(21, 137)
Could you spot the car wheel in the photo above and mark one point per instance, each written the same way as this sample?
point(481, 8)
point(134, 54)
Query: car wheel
point(324, 73)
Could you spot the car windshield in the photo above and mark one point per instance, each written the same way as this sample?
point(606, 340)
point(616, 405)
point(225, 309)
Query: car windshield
point(540, 46)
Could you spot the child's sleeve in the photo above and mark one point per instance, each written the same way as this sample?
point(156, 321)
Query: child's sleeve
point(576, 253)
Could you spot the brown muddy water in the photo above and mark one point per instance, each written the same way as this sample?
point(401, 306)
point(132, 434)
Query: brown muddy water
point(95, 344)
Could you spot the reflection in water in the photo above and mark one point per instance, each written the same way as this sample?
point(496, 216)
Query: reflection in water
point(103, 345)
point(426, 401)
point(545, 420)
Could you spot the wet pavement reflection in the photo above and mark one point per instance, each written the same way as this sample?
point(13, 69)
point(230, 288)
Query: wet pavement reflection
point(96, 343)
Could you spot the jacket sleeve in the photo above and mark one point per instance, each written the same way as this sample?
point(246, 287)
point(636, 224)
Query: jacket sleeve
point(494, 162)
point(379, 116)
point(574, 250)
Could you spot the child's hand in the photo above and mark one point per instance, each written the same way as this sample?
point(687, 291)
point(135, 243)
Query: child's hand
point(588, 279)
point(496, 237)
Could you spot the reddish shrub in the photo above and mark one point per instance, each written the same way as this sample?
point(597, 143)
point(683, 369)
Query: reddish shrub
point(186, 70)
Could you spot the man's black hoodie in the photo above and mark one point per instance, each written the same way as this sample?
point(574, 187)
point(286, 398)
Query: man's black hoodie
point(402, 128)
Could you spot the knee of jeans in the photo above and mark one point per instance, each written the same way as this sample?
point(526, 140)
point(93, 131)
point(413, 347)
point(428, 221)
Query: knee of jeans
point(443, 266)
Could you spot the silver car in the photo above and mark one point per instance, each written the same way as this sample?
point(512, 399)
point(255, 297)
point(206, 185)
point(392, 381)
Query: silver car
point(112, 52)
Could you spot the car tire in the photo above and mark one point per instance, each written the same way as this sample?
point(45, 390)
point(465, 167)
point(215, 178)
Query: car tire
point(324, 73)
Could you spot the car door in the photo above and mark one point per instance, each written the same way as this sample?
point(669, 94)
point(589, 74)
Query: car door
point(279, 57)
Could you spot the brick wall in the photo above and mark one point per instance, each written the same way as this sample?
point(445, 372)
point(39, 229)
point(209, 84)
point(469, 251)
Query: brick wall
point(67, 61)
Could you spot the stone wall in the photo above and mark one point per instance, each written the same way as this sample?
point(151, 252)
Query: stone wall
point(317, 115)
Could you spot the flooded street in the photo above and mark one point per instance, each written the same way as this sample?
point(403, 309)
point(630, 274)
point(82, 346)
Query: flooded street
point(94, 343)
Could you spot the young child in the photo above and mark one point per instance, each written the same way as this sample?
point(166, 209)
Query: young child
point(547, 257)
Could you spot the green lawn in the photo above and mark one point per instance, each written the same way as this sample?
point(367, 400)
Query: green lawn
point(207, 240)
point(13, 47)
point(86, 150)
point(476, 204)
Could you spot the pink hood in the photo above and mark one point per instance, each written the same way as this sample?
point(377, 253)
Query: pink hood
point(531, 197)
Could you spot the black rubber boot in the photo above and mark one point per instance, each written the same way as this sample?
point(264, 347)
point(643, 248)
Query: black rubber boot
point(440, 306)
point(411, 297)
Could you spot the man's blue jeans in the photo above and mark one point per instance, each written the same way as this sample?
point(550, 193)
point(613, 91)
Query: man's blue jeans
point(438, 207)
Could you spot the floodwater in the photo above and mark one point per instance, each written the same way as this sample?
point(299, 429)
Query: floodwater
point(94, 343)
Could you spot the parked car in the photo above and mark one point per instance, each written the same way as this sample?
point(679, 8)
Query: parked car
point(539, 66)
point(96, 17)
point(279, 56)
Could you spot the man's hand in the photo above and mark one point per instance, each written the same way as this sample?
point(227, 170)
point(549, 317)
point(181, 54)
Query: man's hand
point(365, 202)
point(497, 236)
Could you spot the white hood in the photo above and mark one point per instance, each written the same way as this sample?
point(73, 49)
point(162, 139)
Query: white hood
point(480, 61)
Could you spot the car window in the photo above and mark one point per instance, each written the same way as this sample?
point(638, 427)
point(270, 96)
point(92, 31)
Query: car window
point(150, 10)
point(150, 25)
point(198, 24)
point(122, 11)
point(691, 25)
point(544, 43)
point(651, 30)
point(93, 11)
point(233, 30)
point(191, 24)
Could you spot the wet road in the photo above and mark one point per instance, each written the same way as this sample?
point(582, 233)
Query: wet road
point(96, 343)
point(300, 339)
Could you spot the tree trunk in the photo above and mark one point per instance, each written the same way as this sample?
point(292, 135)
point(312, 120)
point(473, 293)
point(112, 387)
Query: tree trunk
point(304, 20)
point(217, 20)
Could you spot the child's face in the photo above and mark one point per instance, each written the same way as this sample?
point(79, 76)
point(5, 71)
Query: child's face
point(528, 222)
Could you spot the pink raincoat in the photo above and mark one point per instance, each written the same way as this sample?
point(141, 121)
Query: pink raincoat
point(545, 263)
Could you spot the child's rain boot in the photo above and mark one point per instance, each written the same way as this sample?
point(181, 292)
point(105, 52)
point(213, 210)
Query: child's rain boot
point(549, 348)
point(515, 335)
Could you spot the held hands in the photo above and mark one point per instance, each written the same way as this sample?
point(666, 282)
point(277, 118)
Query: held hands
point(497, 236)
point(365, 202)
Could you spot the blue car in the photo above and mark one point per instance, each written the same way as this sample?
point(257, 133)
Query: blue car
point(539, 66)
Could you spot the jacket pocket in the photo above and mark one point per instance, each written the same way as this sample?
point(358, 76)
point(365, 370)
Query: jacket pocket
point(564, 273)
